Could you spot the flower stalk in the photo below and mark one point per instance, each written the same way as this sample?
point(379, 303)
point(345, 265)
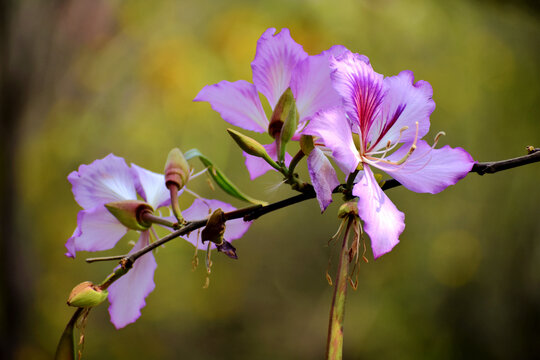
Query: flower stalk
point(334, 347)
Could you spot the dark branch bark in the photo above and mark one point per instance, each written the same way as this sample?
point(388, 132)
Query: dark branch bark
point(254, 212)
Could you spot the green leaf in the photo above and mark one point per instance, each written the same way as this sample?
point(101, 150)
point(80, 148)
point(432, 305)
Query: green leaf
point(66, 346)
point(221, 180)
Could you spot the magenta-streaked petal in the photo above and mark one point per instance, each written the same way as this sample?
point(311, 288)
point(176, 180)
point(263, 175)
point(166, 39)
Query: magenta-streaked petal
point(151, 187)
point(127, 295)
point(312, 87)
point(405, 103)
point(274, 62)
point(383, 222)
point(201, 208)
point(334, 130)
point(105, 180)
point(97, 230)
point(237, 102)
point(323, 177)
point(257, 166)
point(360, 87)
point(429, 170)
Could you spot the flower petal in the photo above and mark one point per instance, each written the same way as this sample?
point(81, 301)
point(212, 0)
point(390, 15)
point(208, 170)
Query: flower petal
point(405, 103)
point(97, 230)
point(323, 177)
point(127, 295)
point(275, 59)
point(334, 129)
point(105, 180)
point(258, 166)
point(429, 170)
point(151, 186)
point(201, 209)
point(311, 85)
point(237, 102)
point(383, 222)
point(360, 87)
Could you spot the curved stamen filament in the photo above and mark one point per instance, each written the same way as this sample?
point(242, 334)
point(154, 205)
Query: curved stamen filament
point(399, 162)
point(388, 147)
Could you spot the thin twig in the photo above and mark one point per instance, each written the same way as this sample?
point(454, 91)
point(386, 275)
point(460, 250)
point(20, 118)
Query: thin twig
point(254, 212)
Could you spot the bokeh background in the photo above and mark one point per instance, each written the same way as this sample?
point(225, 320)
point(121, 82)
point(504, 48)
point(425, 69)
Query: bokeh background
point(81, 79)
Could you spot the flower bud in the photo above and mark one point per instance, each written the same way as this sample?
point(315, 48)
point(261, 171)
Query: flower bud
point(347, 209)
point(251, 146)
point(285, 111)
point(129, 213)
point(176, 169)
point(86, 295)
point(215, 228)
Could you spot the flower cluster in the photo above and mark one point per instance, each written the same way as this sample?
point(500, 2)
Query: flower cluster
point(355, 116)
point(97, 188)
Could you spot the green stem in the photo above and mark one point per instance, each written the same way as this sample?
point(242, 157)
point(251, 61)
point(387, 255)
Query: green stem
point(334, 345)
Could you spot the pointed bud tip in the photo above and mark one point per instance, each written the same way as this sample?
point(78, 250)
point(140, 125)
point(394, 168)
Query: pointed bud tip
point(176, 169)
point(249, 145)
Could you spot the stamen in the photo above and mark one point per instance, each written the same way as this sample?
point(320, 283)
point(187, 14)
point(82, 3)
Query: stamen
point(197, 174)
point(403, 159)
point(437, 137)
point(390, 148)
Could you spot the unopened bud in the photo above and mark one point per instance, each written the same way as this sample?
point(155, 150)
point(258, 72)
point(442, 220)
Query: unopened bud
point(226, 248)
point(129, 213)
point(348, 209)
point(284, 112)
point(176, 169)
point(215, 228)
point(251, 146)
point(306, 144)
point(86, 295)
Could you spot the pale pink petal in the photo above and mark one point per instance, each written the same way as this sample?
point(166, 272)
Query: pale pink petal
point(312, 87)
point(323, 177)
point(429, 170)
point(105, 180)
point(127, 295)
point(274, 62)
point(151, 187)
point(334, 131)
point(257, 166)
point(405, 103)
point(383, 222)
point(201, 209)
point(237, 102)
point(360, 87)
point(97, 230)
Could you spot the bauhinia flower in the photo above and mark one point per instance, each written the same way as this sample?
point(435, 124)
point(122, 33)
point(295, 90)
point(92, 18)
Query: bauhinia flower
point(111, 181)
point(380, 115)
point(280, 64)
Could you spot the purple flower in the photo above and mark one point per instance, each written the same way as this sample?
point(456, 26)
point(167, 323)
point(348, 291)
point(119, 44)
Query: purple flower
point(108, 180)
point(280, 63)
point(378, 116)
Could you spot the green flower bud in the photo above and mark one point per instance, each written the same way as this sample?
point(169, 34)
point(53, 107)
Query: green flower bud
point(306, 144)
point(176, 169)
point(86, 295)
point(347, 209)
point(129, 213)
point(252, 147)
point(215, 228)
point(285, 111)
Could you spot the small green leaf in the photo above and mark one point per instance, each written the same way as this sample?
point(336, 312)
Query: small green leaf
point(221, 180)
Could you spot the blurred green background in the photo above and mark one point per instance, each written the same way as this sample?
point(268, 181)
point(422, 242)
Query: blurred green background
point(81, 79)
